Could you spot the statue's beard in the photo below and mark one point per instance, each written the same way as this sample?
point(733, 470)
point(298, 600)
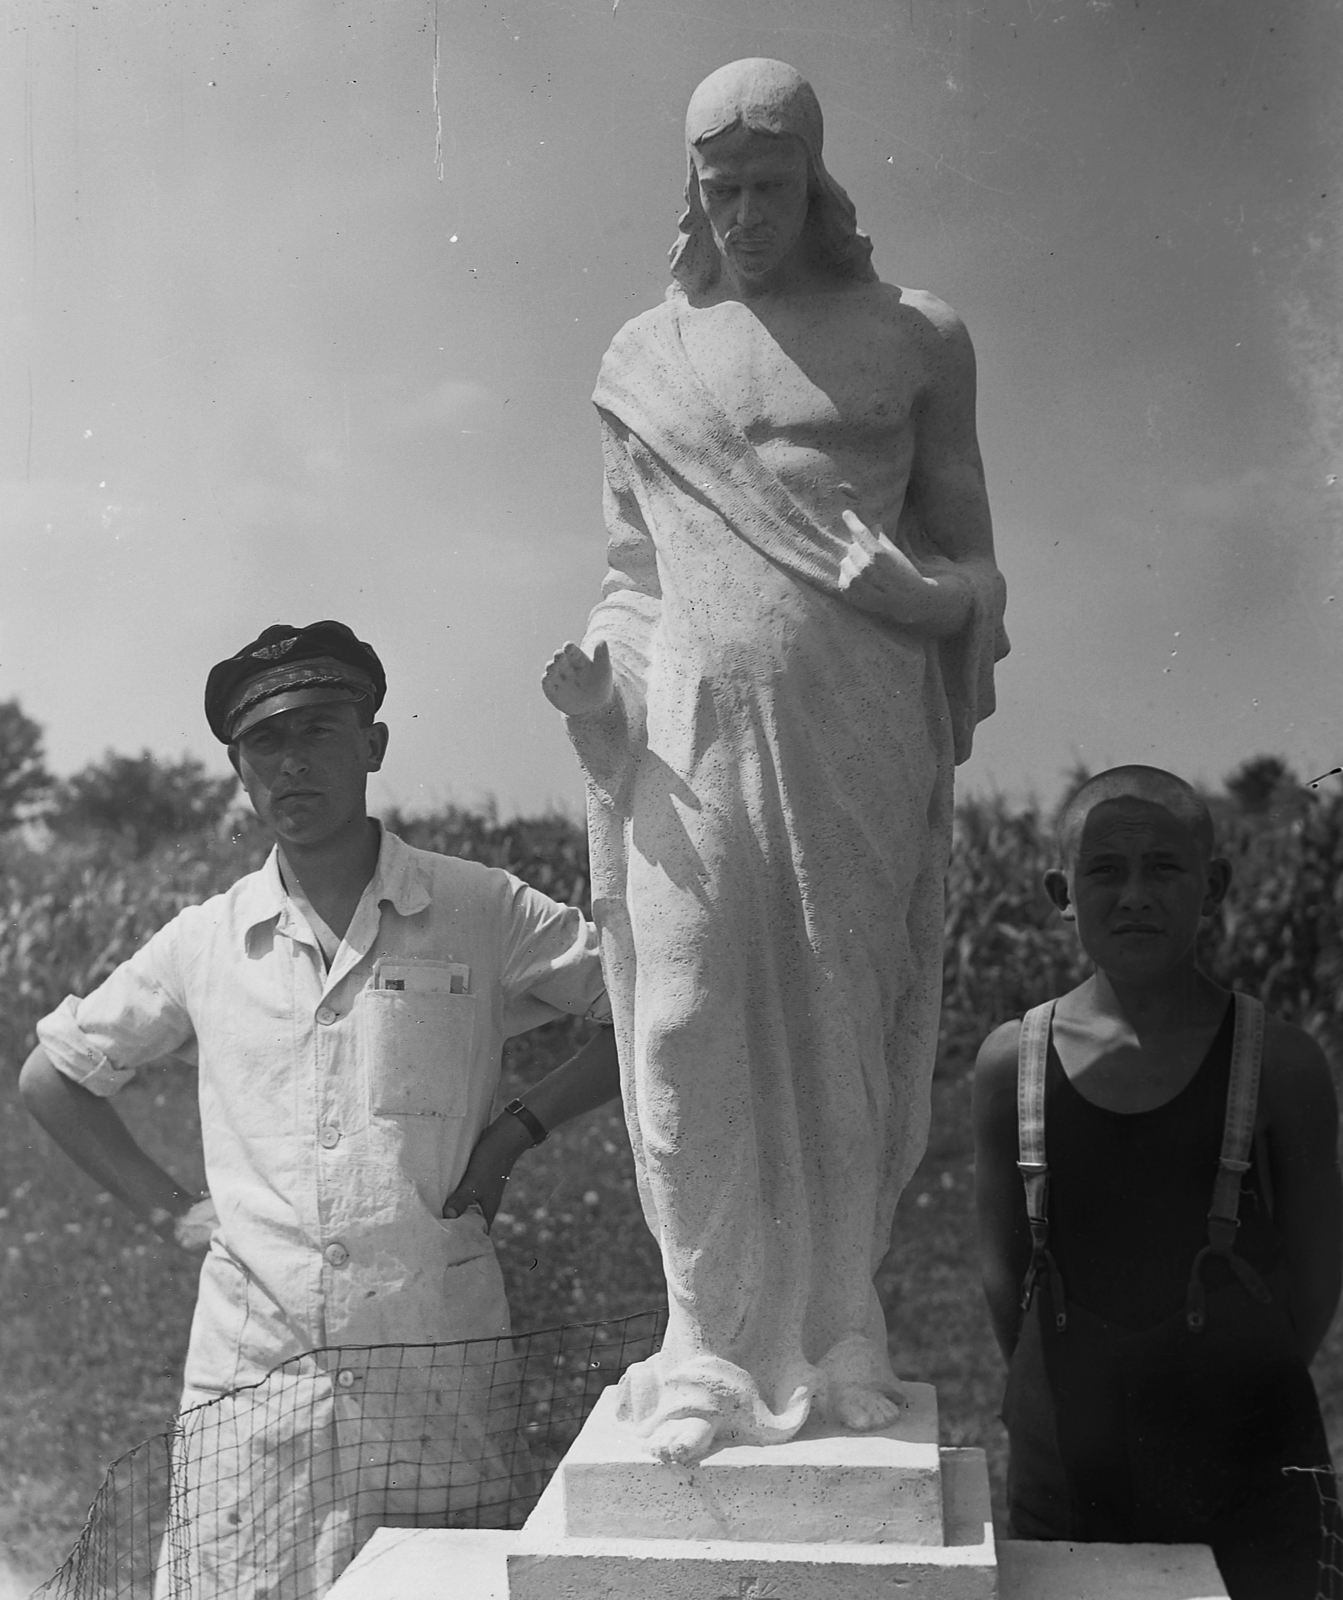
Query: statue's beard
point(751, 251)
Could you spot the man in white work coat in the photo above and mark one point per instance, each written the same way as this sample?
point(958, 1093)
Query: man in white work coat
point(346, 1006)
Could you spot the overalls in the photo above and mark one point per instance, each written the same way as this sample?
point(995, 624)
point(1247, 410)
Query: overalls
point(1178, 1432)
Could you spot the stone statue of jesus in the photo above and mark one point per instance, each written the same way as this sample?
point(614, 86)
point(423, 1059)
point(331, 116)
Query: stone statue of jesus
point(794, 643)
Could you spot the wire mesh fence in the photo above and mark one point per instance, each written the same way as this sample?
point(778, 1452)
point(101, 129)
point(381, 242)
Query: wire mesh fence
point(268, 1492)
point(1330, 1583)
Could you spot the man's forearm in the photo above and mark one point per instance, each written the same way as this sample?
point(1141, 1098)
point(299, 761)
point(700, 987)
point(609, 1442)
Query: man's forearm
point(588, 1079)
point(97, 1140)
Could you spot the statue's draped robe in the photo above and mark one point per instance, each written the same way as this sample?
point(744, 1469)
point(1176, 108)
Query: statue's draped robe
point(770, 818)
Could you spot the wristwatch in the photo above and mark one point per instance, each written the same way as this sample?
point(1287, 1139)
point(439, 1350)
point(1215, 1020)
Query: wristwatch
point(533, 1124)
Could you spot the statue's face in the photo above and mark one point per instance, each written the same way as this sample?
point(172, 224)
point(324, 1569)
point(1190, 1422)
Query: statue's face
point(754, 190)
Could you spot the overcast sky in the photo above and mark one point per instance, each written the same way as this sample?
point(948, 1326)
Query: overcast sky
point(289, 336)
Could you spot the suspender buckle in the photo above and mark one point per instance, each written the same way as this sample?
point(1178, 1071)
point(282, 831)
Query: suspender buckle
point(1044, 1266)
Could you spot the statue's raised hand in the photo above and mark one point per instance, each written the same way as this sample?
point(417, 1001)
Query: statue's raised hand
point(579, 684)
point(877, 576)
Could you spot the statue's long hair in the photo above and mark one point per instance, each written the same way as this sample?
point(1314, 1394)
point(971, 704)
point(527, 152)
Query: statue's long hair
point(837, 245)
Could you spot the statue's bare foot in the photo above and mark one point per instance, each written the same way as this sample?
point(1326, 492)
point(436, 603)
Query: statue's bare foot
point(682, 1441)
point(861, 1409)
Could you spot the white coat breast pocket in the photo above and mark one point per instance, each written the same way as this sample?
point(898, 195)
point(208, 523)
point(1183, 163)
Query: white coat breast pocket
point(419, 1035)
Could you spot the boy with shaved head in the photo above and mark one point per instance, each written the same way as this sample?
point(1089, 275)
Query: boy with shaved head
point(1159, 1211)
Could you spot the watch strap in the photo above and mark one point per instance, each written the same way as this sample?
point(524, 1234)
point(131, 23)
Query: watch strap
point(533, 1124)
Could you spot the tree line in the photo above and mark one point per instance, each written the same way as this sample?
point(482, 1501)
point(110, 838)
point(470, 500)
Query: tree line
point(139, 800)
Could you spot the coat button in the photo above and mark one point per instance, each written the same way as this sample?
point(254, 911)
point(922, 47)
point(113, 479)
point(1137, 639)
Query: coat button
point(330, 1138)
point(326, 1015)
point(336, 1254)
point(345, 1378)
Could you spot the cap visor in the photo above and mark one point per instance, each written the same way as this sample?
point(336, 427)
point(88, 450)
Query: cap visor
point(314, 694)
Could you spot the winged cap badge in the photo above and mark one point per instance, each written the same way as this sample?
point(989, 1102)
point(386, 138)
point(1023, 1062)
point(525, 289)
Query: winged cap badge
point(273, 652)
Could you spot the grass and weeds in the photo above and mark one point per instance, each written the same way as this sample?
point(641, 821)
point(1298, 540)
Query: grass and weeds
point(97, 1308)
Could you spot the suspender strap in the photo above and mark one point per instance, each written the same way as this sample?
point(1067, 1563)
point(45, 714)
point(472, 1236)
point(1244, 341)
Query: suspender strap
point(1242, 1099)
point(1032, 1054)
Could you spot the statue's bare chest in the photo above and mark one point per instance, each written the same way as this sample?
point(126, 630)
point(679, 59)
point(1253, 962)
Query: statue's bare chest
point(825, 372)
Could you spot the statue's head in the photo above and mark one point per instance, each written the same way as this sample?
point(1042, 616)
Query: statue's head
point(763, 113)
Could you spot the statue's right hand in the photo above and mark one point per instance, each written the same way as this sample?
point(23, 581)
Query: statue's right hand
point(877, 576)
point(578, 684)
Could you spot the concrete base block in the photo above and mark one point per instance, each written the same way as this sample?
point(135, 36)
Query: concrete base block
point(428, 1564)
point(1031, 1570)
point(967, 1514)
point(667, 1569)
point(823, 1486)
point(439, 1564)
point(549, 1564)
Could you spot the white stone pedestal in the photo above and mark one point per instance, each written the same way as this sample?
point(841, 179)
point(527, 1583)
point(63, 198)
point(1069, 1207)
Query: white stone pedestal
point(828, 1516)
point(821, 1487)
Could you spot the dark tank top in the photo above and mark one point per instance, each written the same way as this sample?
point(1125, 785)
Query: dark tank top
point(1129, 1192)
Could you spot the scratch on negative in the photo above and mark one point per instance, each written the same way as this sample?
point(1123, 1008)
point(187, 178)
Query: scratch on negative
point(438, 109)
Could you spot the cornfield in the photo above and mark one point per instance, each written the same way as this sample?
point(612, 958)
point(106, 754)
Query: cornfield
point(71, 912)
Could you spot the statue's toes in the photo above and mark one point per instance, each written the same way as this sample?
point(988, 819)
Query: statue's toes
point(863, 1410)
point(683, 1441)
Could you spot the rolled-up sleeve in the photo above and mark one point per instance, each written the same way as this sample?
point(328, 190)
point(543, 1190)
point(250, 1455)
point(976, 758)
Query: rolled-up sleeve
point(552, 963)
point(132, 1018)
